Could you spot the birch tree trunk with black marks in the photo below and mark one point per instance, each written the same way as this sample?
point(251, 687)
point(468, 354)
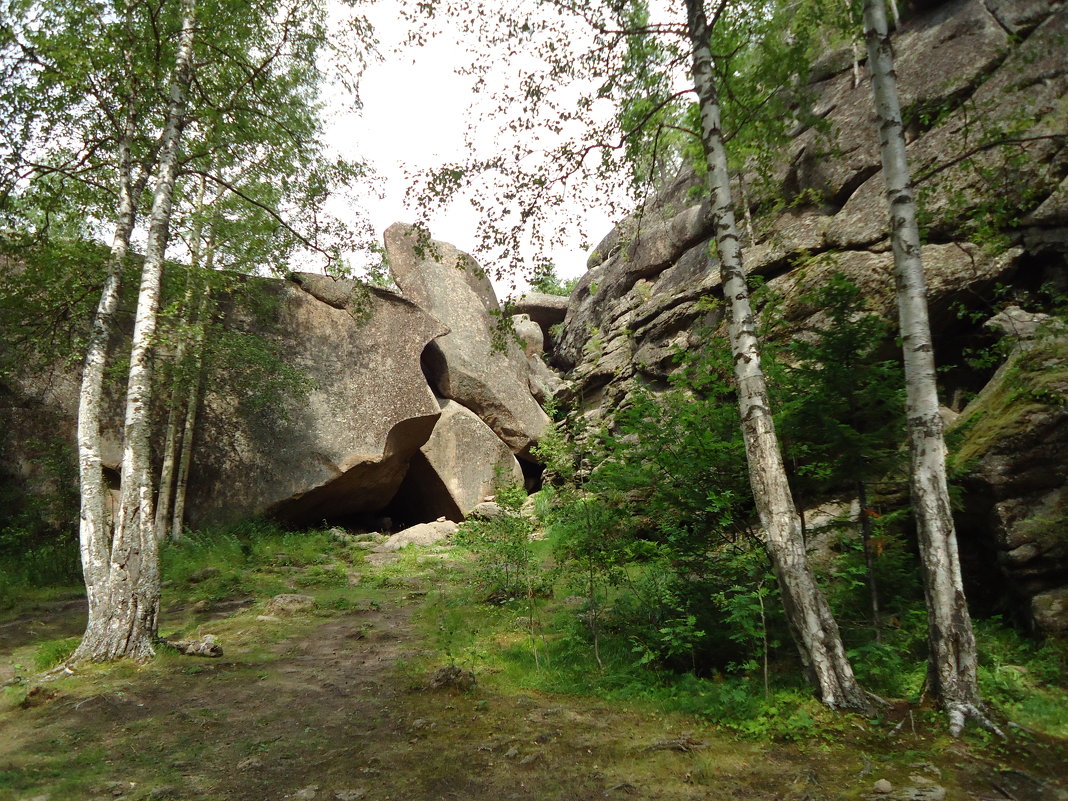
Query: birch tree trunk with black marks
point(94, 526)
point(812, 624)
point(952, 669)
point(125, 625)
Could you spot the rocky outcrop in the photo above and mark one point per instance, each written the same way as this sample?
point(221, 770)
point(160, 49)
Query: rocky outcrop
point(466, 365)
point(545, 310)
point(337, 444)
point(543, 381)
point(323, 409)
point(341, 448)
point(986, 120)
point(1013, 438)
point(987, 145)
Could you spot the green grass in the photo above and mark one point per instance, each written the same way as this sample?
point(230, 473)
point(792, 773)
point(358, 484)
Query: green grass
point(256, 559)
point(1026, 678)
point(53, 652)
point(541, 644)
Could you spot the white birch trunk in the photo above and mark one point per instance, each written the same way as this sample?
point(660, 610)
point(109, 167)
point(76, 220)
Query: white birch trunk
point(129, 613)
point(167, 468)
point(186, 457)
point(94, 532)
point(192, 400)
point(174, 405)
point(812, 624)
point(952, 670)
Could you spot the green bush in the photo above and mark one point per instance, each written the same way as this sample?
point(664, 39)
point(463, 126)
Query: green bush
point(506, 565)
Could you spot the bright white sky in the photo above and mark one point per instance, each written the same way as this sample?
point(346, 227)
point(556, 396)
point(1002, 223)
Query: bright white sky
point(416, 111)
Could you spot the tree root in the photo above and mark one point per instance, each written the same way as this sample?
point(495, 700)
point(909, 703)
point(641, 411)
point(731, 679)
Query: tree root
point(58, 672)
point(959, 712)
point(878, 700)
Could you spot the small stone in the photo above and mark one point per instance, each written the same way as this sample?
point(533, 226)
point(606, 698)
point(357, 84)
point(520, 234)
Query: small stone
point(882, 787)
point(452, 677)
point(205, 646)
point(525, 624)
point(487, 510)
point(349, 795)
point(290, 604)
point(203, 574)
point(307, 793)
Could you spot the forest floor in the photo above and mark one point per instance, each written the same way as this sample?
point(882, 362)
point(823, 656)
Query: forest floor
point(337, 703)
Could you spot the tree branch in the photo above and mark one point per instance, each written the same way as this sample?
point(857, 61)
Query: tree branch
point(1023, 140)
point(271, 212)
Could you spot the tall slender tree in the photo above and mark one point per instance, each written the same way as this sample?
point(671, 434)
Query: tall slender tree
point(812, 623)
point(953, 663)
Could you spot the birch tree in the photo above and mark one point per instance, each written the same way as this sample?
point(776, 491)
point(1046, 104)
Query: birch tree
point(952, 662)
point(255, 189)
point(77, 127)
point(124, 624)
point(88, 122)
point(812, 623)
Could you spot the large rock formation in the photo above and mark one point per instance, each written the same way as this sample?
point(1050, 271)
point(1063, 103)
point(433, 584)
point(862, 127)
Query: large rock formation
point(324, 409)
point(545, 310)
point(468, 365)
point(984, 91)
point(343, 447)
point(1014, 437)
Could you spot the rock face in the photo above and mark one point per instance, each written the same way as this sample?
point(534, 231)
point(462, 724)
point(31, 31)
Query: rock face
point(543, 381)
point(344, 447)
point(545, 310)
point(461, 464)
point(464, 365)
point(650, 285)
point(338, 447)
point(1015, 437)
point(340, 414)
point(640, 297)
